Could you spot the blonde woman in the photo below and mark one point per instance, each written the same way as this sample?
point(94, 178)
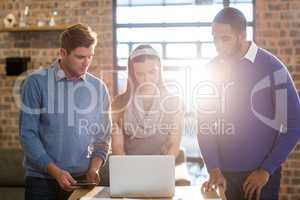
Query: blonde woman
point(147, 118)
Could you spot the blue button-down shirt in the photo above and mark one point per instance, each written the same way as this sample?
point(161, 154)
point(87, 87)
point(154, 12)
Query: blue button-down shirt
point(66, 122)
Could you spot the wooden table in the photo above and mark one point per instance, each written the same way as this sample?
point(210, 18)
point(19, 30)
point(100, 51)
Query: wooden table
point(181, 193)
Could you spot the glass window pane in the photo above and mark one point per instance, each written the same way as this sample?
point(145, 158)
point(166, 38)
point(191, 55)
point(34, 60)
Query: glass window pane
point(146, 2)
point(181, 51)
point(123, 34)
point(249, 33)
point(122, 51)
point(177, 63)
point(179, 1)
point(208, 50)
point(122, 2)
point(183, 34)
point(139, 34)
point(192, 63)
point(246, 8)
point(175, 81)
point(167, 14)
point(122, 81)
point(188, 34)
point(158, 48)
point(122, 62)
point(241, 1)
point(151, 2)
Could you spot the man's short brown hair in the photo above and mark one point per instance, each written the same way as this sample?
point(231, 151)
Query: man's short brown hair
point(78, 35)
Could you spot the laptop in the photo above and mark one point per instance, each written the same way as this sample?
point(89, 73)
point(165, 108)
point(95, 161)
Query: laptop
point(143, 176)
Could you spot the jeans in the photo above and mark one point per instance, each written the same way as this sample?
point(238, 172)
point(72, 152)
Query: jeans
point(235, 181)
point(44, 189)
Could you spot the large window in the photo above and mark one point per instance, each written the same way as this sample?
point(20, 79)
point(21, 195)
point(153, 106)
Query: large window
point(180, 30)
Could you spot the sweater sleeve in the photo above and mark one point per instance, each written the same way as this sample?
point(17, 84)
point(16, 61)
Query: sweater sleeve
point(287, 139)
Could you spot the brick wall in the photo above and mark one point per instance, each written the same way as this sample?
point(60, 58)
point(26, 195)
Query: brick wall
point(278, 30)
point(42, 47)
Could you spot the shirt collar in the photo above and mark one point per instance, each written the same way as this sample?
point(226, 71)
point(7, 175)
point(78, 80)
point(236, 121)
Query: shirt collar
point(251, 53)
point(60, 74)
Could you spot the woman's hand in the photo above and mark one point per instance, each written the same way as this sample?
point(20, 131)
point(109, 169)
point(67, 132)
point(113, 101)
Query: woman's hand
point(93, 176)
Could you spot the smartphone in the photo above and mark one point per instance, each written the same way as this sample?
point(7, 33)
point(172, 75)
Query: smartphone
point(84, 183)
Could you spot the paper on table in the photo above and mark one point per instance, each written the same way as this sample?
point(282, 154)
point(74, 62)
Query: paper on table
point(100, 198)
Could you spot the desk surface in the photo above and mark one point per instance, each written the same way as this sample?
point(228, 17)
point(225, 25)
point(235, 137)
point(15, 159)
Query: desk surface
point(181, 193)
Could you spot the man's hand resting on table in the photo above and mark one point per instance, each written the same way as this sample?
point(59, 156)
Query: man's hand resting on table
point(93, 176)
point(216, 180)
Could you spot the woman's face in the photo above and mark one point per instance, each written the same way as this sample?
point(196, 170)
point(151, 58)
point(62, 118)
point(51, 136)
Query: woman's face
point(147, 74)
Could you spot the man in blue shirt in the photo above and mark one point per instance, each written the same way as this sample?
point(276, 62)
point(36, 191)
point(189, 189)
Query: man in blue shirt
point(65, 123)
point(249, 122)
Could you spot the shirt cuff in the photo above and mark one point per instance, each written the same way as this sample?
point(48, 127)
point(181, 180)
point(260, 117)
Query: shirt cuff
point(101, 151)
point(44, 160)
point(212, 165)
point(269, 168)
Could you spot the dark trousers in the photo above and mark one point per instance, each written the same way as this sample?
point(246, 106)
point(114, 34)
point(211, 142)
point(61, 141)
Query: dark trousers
point(235, 181)
point(44, 189)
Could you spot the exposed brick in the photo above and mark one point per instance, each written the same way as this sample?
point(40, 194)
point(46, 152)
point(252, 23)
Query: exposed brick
point(285, 180)
point(288, 51)
point(298, 86)
point(297, 173)
point(89, 4)
point(294, 33)
point(4, 108)
point(8, 99)
point(296, 77)
point(283, 197)
point(290, 190)
point(286, 16)
point(295, 181)
point(295, 197)
point(282, 33)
